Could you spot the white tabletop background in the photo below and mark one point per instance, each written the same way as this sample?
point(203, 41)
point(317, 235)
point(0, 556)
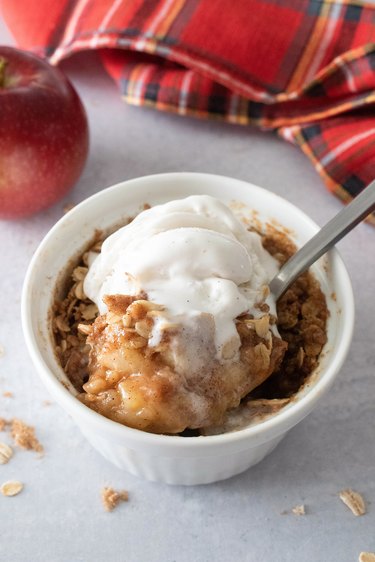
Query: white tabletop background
point(59, 516)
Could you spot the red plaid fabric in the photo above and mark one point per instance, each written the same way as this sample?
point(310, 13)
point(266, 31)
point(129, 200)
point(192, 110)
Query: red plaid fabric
point(304, 68)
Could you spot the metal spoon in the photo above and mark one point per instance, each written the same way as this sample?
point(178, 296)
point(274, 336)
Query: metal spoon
point(319, 244)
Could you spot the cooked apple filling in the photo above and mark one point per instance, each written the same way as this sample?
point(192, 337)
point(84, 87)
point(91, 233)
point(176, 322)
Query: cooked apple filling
point(155, 387)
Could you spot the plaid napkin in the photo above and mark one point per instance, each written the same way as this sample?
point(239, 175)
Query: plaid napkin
point(304, 68)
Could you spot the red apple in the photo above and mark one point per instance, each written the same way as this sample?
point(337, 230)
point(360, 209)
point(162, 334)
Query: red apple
point(43, 134)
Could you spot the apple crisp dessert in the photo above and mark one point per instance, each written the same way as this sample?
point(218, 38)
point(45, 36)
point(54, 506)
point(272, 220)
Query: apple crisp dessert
point(136, 364)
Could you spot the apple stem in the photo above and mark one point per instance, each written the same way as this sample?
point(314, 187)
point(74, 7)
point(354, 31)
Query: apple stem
point(3, 65)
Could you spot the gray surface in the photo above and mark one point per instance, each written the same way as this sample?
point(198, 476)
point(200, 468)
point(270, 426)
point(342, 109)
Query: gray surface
point(59, 517)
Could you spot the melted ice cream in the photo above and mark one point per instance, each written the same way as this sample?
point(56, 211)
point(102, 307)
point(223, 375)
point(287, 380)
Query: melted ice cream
point(192, 256)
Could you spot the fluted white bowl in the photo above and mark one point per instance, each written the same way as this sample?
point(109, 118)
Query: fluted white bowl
point(164, 458)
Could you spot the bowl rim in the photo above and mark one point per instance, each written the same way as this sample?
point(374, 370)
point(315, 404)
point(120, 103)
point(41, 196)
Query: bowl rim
point(275, 424)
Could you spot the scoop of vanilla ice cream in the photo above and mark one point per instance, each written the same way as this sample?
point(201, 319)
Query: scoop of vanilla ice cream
point(192, 256)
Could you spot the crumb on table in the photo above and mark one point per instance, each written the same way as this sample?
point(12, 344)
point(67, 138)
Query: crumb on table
point(11, 488)
point(24, 436)
point(367, 557)
point(299, 510)
point(354, 501)
point(6, 453)
point(111, 498)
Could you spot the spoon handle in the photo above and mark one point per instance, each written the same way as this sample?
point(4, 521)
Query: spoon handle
point(327, 236)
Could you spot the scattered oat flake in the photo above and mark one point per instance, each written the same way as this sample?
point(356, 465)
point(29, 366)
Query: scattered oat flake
point(8, 394)
point(11, 488)
point(367, 557)
point(24, 436)
point(3, 424)
point(299, 510)
point(47, 403)
point(6, 453)
point(111, 498)
point(354, 501)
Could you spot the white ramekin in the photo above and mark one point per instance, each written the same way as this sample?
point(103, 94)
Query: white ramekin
point(173, 459)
